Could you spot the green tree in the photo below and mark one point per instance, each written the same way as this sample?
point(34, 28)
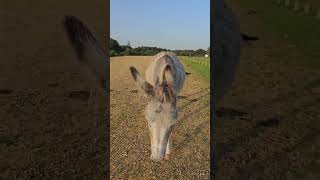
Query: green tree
point(200, 52)
point(127, 52)
point(114, 45)
point(113, 53)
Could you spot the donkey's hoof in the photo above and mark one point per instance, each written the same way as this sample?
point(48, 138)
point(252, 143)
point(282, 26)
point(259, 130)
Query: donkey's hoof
point(167, 157)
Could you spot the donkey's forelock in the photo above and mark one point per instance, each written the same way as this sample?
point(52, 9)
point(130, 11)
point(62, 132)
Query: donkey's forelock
point(166, 91)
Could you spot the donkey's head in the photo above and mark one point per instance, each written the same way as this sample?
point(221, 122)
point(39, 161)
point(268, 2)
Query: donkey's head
point(161, 112)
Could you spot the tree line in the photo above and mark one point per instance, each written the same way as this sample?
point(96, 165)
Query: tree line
point(126, 50)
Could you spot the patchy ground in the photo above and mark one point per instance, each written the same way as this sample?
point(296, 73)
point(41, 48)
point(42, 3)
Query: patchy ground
point(268, 126)
point(130, 143)
point(48, 125)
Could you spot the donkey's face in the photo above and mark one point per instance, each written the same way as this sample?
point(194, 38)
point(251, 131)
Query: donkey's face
point(161, 112)
point(161, 118)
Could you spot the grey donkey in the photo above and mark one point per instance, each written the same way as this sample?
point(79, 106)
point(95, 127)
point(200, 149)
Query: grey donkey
point(91, 55)
point(165, 77)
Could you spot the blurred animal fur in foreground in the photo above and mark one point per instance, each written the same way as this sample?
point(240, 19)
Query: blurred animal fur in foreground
point(90, 53)
point(227, 46)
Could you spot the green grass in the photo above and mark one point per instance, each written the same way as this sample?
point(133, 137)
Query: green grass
point(203, 71)
point(303, 31)
point(204, 59)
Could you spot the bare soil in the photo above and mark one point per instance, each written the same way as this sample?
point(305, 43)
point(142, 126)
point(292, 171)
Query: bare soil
point(130, 143)
point(268, 125)
point(49, 126)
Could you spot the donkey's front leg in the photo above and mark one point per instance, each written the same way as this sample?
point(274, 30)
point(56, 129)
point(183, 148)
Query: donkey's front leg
point(168, 148)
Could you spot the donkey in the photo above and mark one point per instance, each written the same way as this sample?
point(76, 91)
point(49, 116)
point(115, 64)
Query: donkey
point(165, 77)
point(228, 41)
point(90, 54)
point(227, 44)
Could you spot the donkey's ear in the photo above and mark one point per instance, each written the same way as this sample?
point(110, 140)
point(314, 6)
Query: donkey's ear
point(146, 87)
point(89, 51)
point(168, 76)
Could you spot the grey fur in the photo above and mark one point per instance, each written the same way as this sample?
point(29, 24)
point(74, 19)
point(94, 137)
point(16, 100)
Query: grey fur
point(87, 48)
point(227, 49)
point(165, 77)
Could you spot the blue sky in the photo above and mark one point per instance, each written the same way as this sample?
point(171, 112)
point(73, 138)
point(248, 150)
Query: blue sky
point(170, 24)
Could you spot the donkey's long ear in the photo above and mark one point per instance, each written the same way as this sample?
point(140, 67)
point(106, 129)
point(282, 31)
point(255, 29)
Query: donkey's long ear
point(168, 76)
point(146, 87)
point(89, 52)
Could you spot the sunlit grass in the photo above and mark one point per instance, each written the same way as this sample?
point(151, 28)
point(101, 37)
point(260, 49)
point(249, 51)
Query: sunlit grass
point(200, 69)
point(302, 30)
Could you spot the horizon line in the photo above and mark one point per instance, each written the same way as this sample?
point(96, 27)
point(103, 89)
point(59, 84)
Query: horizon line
point(155, 46)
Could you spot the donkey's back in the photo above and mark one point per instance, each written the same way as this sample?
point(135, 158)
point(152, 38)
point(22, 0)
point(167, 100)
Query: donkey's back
point(155, 71)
